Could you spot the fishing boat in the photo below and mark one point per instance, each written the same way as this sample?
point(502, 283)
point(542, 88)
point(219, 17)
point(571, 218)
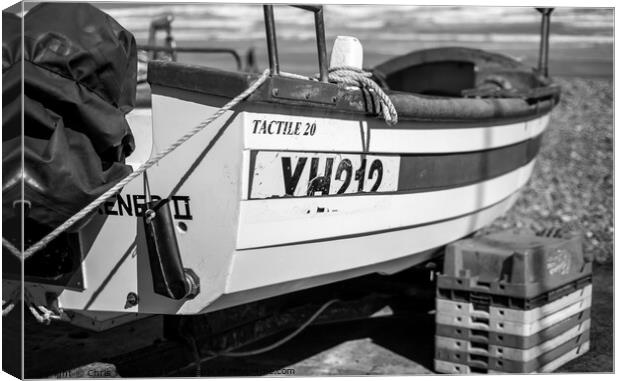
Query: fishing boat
point(303, 183)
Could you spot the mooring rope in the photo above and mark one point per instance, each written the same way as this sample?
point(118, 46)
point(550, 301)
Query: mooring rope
point(7, 306)
point(11, 248)
point(10, 302)
point(40, 312)
point(149, 163)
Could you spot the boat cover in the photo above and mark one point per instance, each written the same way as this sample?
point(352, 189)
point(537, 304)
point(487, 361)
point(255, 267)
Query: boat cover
point(79, 82)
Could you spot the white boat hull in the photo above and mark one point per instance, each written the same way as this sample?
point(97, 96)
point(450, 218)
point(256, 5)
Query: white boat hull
point(247, 238)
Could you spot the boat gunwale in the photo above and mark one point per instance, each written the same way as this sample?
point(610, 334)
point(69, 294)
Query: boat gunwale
point(297, 109)
point(410, 107)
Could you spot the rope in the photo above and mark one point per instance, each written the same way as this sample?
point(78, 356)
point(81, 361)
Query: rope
point(355, 77)
point(352, 76)
point(228, 353)
point(9, 304)
point(282, 341)
point(41, 313)
point(11, 248)
point(149, 163)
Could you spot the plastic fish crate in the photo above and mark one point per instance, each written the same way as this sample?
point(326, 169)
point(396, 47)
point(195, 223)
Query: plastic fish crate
point(461, 361)
point(510, 353)
point(519, 328)
point(458, 368)
point(514, 265)
point(481, 298)
point(502, 314)
point(513, 341)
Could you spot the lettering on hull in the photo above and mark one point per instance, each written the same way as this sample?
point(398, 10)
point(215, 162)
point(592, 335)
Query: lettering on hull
point(282, 127)
point(135, 206)
point(292, 174)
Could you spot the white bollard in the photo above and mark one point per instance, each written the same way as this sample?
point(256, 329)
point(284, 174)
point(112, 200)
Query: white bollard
point(347, 51)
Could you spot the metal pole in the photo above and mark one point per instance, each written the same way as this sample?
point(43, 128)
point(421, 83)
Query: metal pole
point(272, 45)
point(319, 26)
point(320, 43)
point(186, 49)
point(543, 53)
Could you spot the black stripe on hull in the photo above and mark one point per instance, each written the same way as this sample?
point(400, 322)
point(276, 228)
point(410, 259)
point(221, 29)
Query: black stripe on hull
point(443, 171)
point(432, 172)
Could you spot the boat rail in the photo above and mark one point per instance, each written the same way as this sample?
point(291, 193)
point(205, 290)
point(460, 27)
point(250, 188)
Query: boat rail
point(272, 44)
point(184, 49)
point(164, 23)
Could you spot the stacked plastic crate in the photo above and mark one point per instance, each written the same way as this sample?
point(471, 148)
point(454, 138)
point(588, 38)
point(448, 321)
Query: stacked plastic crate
point(512, 303)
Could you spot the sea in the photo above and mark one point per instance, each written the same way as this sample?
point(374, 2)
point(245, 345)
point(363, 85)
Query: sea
point(581, 42)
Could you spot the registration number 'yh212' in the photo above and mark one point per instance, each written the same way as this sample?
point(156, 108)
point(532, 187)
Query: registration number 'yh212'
point(282, 174)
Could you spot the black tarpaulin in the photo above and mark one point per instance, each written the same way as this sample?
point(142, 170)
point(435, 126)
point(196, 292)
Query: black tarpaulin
point(79, 82)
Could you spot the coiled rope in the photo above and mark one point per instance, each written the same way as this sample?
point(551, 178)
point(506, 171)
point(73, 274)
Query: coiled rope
point(148, 164)
point(352, 76)
point(355, 77)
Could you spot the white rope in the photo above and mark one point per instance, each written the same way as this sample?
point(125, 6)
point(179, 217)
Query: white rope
point(11, 248)
point(355, 77)
point(41, 313)
point(352, 76)
point(44, 315)
point(9, 304)
point(149, 163)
